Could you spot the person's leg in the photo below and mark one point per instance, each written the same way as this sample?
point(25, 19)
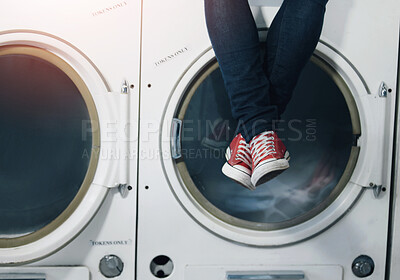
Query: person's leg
point(291, 40)
point(234, 37)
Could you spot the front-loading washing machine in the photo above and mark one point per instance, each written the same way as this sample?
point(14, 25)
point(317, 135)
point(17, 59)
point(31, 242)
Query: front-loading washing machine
point(327, 216)
point(69, 79)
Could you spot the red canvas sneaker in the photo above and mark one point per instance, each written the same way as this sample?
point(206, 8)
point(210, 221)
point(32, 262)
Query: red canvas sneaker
point(269, 156)
point(238, 165)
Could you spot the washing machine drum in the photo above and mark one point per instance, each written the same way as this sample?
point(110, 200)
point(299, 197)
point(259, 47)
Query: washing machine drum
point(317, 129)
point(45, 154)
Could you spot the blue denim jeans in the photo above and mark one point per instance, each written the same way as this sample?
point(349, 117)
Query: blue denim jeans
point(259, 89)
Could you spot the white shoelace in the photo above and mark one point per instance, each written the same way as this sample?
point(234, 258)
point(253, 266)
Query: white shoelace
point(262, 146)
point(243, 152)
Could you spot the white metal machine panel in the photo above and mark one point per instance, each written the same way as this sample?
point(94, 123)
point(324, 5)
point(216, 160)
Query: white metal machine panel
point(45, 273)
point(187, 234)
point(104, 38)
point(263, 272)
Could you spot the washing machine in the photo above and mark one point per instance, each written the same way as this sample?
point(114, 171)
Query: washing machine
point(327, 216)
point(69, 109)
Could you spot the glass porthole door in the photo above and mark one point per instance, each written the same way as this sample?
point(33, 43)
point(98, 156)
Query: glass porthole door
point(320, 128)
point(47, 161)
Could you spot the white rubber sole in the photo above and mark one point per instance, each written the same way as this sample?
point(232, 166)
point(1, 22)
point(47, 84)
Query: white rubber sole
point(237, 175)
point(269, 170)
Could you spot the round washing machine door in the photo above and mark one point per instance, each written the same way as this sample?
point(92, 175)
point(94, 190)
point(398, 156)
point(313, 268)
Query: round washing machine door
point(47, 163)
point(320, 128)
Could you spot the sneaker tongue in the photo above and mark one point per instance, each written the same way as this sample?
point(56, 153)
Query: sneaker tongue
point(263, 134)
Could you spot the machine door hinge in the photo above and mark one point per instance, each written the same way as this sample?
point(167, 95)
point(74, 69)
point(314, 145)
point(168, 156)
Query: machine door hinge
point(123, 189)
point(124, 87)
point(383, 90)
point(377, 189)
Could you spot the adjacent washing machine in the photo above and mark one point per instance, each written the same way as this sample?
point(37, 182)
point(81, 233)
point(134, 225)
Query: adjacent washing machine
point(326, 217)
point(69, 73)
